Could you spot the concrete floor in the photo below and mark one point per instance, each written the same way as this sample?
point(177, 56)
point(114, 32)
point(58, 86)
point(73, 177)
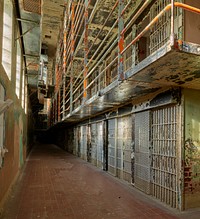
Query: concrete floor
point(58, 185)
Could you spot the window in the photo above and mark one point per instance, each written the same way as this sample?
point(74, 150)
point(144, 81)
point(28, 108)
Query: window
point(2, 96)
point(23, 89)
point(26, 96)
point(18, 70)
point(7, 37)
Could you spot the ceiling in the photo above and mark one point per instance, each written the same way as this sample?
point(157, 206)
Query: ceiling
point(40, 21)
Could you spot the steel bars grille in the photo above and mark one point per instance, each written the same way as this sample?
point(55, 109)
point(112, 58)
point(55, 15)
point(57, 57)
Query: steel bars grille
point(164, 155)
point(142, 152)
point(161, 31)
point(111, 146)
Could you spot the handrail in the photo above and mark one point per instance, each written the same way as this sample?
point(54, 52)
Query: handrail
point(168, 7)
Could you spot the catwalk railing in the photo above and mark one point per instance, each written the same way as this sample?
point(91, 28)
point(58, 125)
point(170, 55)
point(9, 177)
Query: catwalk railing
point(139, 34)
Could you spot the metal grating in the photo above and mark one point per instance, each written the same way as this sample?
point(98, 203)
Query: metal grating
point(100, 150)
point(94, 143)
point(127, 147)
point(160, 32)
point(142, 152)
point(111, 146)
point(164, 155)
point(33, 6)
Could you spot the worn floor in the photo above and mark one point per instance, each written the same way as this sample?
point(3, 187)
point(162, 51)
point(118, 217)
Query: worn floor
point(58, 185)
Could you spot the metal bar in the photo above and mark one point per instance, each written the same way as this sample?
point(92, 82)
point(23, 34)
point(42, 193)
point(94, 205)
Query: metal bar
point(25, 32)
point(172, 36)
point(168, 7)
point(64, 55)
point(85, 50)
point(102, 41)
point(28, 21)
point(72, 57)
point(113, 8)
point(120, 41)
point(139, 12)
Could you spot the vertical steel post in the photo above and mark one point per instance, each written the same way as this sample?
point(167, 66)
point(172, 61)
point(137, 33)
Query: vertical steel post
point(172, 36)
point(86, 51)
point(72, 57)
point(120, 41)
point(59, 105)
point(64, 57)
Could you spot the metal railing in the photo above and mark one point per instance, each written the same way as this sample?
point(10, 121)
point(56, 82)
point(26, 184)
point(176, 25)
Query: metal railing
point(101, 69)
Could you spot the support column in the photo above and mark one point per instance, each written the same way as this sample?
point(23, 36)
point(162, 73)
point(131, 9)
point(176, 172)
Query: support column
point(120, 41)
point(86, 51)
point(172, 36)
point(72, 58)
point(64, 57)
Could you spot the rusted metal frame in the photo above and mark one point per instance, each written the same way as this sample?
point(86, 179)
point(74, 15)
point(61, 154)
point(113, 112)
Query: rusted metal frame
point(111, 12)
point(123, 11)
point(110, 64)
point(78, 17)
point(79, 27)
point(113, 26)
point(64, 57)
point(80, 41)
point(98, 63)
point(85, 51)
point(69, 54)
point(104, 25)
point(168, 7)
point(72, 57)
point(139, 12)
point(58, 107)
point(120, 41)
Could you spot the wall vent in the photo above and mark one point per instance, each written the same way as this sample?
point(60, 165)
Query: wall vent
point(33, 6)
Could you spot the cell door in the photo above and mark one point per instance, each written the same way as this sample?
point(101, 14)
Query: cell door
point(94, 143)
point(165, 155)
point(142, 162)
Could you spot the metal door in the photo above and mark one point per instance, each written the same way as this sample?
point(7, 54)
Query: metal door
point(111, 146)
point(127, 147)
point(164, 154)
point(94, 143)
point(142, 152)
point(100, 145)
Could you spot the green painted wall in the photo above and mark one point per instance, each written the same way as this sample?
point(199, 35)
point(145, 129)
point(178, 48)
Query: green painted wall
point(192, 149)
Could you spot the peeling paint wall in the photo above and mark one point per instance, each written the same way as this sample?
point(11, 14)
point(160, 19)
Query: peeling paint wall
point(16, 121)
point(192, 149)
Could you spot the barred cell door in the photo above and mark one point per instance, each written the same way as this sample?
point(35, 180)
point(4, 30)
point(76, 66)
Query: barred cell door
point(165, 155)
point(142, 152)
